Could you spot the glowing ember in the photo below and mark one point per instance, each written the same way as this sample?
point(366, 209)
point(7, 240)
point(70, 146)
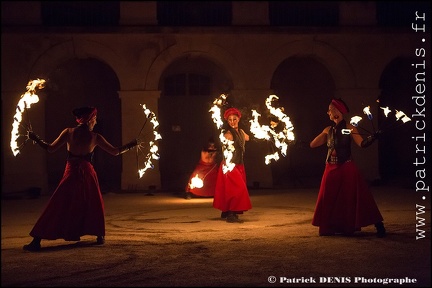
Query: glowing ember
point(27, 99)
point(153, 150)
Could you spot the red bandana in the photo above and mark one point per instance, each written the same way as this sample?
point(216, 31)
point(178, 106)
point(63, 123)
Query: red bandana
point(231, 111)
point(86, 117)
point(340, 105)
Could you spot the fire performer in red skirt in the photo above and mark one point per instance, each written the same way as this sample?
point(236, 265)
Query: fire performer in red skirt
point(76, 207)
point(231, 193)
point(202, 181)
point(345, 203)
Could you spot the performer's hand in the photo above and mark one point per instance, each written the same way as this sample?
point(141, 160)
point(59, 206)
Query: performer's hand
point(368, 141)
point(33, 136)
point(128, 146)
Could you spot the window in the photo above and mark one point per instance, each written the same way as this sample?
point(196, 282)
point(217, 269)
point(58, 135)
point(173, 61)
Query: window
point(304, 13)
point(401, 14)
point(194, 13)
point(80, 13)
point(186, 85)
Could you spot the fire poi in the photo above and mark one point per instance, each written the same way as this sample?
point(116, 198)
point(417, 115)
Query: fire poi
point(281, 139)
point(25, 102)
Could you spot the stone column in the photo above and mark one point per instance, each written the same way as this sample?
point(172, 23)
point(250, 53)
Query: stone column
point(133, 119)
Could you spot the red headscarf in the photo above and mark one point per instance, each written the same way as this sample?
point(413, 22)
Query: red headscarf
point(84, 114)
point(231, 111)
point(340, 105)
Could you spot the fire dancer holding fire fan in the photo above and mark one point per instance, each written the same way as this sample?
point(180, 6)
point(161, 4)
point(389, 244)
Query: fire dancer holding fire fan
point(76, 207)
point(344, 203)
point(231, 192)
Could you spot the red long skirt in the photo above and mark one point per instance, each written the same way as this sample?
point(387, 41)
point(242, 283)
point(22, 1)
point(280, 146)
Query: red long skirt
point(231, 193)
point(76, 207)
point(345, 203)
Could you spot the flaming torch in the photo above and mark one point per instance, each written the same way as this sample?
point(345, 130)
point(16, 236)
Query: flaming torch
point(281, 139)
point(27, 99)
point(153, 148)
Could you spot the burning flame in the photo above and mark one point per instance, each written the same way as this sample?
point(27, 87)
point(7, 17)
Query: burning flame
point(153, 151)
point(367, 112)
point(386, 110)
point(400, 114)
point(27, 99)
point(196, 182)
point(266, 132)
point(228, 145)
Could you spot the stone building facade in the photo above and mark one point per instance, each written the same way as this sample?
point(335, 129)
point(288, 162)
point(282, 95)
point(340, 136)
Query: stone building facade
point(178, 70)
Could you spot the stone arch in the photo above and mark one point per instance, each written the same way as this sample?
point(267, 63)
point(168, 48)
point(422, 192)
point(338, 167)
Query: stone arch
point(71, 82)
point(80, 49)
point(185, 119)
point(304, 87)
point(336, 63)
point(398, 85)
point(216, 54)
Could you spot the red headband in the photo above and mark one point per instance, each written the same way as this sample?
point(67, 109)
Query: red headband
point(86, 117)
point(340, 105)
point(231, 111)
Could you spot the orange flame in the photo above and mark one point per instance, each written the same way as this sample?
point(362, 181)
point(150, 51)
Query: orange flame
point(27, 99)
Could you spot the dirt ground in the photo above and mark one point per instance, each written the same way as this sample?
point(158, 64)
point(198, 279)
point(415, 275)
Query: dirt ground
point(163, 240)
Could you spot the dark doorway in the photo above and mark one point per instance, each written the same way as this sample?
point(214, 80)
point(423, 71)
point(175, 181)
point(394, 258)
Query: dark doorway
point(188, 87)
point(84, 82)
point(304, 87)
point(397, 148)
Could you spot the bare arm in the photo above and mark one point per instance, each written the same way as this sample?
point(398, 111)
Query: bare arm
point(321, 139)
point(106, 146)
point(115, 151)
point(246, 136)
point(60, 141)
point(50, 147)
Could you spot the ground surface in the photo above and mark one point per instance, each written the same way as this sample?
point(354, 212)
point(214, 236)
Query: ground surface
point(164, 240)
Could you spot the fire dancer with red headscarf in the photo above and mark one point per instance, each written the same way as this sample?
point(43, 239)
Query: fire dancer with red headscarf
point(231, 192)
point(344, 203)
point(76, 207)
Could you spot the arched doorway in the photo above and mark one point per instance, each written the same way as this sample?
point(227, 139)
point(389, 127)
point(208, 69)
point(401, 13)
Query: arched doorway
point(188, 87)
point(84, 82)
point(304, 87)
point(397, 150)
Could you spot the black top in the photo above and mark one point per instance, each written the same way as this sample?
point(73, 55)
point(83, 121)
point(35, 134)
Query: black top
point(339, 142)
